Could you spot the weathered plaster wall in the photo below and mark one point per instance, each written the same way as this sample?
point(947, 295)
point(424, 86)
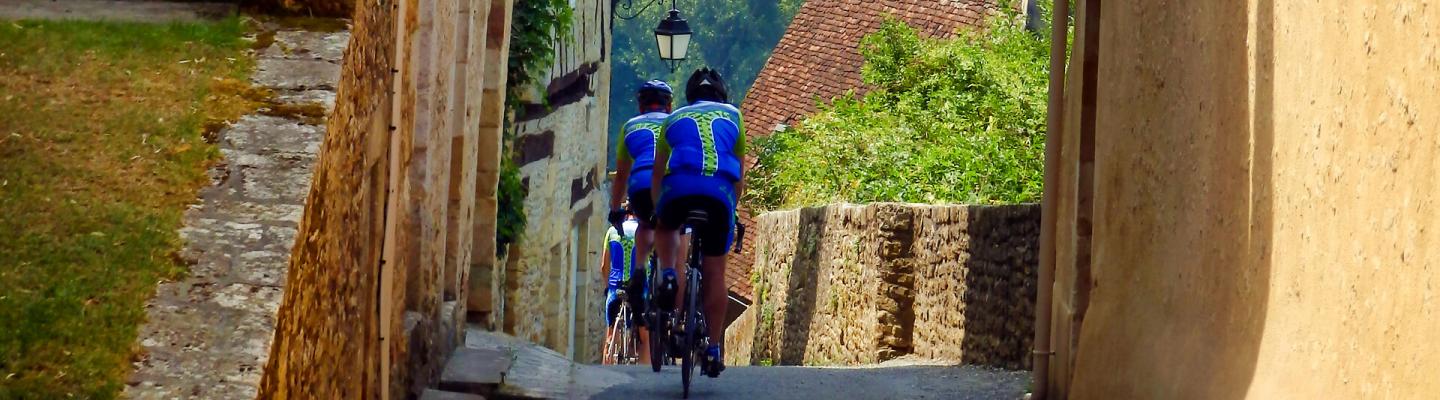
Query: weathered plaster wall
point(849, 284)
point(553, 282)
point(1265, 183)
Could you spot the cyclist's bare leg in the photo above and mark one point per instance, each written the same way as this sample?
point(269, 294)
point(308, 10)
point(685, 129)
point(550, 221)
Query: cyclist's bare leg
point(609, 346)
point(681, 267)
point(644, 242)
point(666, 242)
point(713, 293)
point(644, 345)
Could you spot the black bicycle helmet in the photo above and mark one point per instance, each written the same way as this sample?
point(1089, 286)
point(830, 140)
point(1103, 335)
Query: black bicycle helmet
point(706, 84)
point(653, 92)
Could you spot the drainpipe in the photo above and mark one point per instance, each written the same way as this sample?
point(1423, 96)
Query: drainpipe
point(1055, 119)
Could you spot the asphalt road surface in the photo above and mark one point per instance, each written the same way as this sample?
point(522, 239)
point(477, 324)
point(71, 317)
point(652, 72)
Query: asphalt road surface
point(754, 383)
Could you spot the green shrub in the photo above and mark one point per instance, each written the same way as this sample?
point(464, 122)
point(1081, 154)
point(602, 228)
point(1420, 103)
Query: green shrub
point(510, 198)
point(535, 28)
point(954, 120)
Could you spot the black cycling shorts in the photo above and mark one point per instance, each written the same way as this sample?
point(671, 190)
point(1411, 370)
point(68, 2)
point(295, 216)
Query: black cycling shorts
point(715, 236)
point(643, 207)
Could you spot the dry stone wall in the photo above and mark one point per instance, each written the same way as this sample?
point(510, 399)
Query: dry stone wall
point(208, 335)
point(850, 284)
point(371, 307)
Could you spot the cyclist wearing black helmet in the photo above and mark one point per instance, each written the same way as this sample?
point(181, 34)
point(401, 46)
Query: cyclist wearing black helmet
point(635, 157)
point(698, 158)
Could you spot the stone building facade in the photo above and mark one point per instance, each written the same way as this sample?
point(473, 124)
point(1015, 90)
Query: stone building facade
point(553, 287)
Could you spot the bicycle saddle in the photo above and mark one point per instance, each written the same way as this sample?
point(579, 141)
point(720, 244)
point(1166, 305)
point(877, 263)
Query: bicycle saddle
point(697, 218)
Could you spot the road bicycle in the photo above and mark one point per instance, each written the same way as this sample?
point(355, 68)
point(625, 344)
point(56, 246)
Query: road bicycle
point(622, 343)
point(689, 331)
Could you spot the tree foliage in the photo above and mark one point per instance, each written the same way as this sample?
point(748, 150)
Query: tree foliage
point(734, 37)
point(956, 120)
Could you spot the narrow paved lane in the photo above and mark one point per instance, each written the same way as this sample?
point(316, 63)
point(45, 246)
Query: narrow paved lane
point(500, 366)
point(751, 383)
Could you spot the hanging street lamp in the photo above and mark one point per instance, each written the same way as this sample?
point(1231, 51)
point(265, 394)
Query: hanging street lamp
point(672, 37)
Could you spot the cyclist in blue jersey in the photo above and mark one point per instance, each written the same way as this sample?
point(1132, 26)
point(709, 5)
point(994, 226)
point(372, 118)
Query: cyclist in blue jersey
point(698, 161)
point(622, 273)
point(634, 159)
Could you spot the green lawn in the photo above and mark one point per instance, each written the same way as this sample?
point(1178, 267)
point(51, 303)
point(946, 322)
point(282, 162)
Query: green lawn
point(101, 151)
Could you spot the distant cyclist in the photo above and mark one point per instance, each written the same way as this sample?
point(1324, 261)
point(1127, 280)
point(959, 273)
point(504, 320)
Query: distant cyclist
point(698, 155)
point(634, 160)
point(620, 267)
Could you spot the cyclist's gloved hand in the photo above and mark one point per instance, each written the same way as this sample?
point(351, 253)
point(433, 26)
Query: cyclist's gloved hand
point(617, 217)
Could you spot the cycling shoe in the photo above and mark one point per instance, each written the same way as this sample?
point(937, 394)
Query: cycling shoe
point(668, 287)
point(714, 362)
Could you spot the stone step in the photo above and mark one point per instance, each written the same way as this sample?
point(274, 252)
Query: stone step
point(477, 371)
point(432, 394)
point(537, 372)
point(500, 366)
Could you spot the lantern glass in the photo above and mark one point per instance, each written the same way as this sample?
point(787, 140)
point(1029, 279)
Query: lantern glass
point(679, 45)
point(672, 38)
point(662, 42)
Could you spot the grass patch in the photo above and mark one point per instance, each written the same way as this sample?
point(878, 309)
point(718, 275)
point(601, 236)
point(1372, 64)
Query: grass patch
point(101, 150)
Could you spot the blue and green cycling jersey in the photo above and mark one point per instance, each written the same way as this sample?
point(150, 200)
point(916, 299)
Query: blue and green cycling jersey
point(622, 253)
point(705, 139)
point(637, 144)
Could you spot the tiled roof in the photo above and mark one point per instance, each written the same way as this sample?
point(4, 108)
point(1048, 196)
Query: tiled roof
point(819, 59)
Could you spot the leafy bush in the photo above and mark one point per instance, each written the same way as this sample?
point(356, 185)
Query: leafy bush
point(955, 120)
point(535, 27)
point(510, 217)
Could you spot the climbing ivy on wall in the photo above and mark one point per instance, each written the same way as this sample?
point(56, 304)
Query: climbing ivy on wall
point(535, 28)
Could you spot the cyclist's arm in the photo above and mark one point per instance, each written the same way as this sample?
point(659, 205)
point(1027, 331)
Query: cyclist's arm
point(662, 164)
point(605, 262)
point(623, 162)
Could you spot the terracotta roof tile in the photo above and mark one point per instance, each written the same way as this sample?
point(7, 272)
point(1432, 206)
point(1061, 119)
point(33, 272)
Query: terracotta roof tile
point(818, 59)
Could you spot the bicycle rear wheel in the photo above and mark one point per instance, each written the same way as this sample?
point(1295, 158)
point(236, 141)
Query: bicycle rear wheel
point(611, 333)
point(688, 357)
point(627, 351)
point(655, 322)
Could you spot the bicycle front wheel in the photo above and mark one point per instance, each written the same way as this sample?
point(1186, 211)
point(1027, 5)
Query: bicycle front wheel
point(692, 349)
point(687, 356)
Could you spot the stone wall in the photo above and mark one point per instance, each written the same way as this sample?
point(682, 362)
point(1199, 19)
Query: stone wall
point(850, 284)
point(553, 286)
point(327, 333)
point(209, 334)
point(371, 303)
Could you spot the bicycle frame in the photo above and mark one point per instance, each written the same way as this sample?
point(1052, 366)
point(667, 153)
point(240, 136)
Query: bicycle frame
point(621, 342)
